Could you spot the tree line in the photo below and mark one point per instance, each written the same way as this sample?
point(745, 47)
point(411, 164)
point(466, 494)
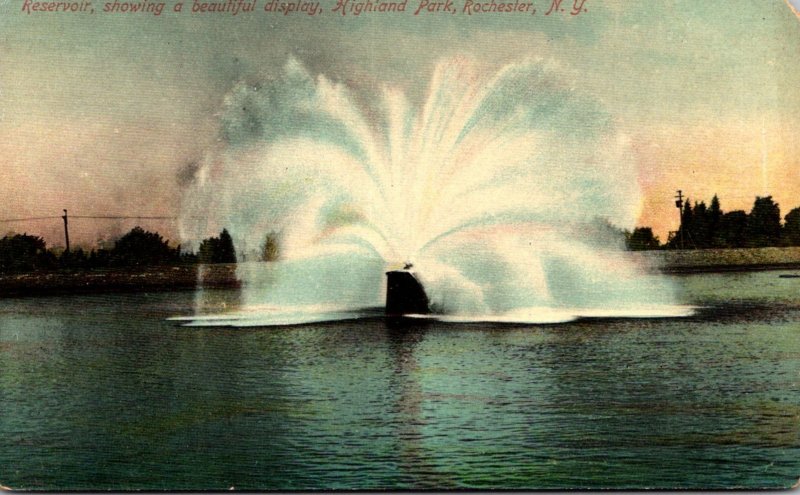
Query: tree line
point(701, 227)
point(137, 249)
point(704, 227)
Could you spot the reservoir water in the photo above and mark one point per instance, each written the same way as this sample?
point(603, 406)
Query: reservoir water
point(103, 392)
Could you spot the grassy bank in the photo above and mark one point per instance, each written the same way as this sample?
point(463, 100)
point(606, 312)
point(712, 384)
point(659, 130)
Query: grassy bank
point(720, 260)
point(120, 280)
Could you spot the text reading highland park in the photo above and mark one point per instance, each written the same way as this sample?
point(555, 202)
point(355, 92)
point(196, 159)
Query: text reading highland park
point(311, 7)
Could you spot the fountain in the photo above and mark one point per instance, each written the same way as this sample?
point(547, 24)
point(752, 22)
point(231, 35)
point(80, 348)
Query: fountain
point(405, 294)
point(499, 186)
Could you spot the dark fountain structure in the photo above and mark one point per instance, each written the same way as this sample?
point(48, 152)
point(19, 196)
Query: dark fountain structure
point(405, 294)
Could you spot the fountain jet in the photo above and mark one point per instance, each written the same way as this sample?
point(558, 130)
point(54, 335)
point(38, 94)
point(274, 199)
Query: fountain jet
point(504, 185)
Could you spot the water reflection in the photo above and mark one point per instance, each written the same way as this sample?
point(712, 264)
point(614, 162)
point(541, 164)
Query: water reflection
point(415, 459)
point(103, 392)
point(216, 301)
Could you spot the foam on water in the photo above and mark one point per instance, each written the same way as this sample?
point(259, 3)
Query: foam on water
point(497, 186)
point(287, 316)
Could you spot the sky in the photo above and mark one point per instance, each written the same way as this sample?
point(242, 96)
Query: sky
point(107, 114)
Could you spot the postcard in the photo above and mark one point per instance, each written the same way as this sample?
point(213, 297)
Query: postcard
point(276, 245)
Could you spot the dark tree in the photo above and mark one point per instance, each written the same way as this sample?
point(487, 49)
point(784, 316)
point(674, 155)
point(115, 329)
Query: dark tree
point(699, 228)
point(687, 215)
point(139, 248)
point(714, 219)
point(685, 230)
point(226, 253)
point(99, 258)
point(188, 258)
point(76, 259)
point(641, 239)
point(206, 253)
point(791, 229)
point(217, 249)
point(733, 229)
point(24, 253)
point(764, 223)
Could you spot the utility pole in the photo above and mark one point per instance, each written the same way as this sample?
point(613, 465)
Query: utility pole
point(66, 229)
point(679, 205)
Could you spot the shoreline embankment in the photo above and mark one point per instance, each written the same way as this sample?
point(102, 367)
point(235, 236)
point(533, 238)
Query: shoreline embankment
point(223, 276)
point(688, 261)
point(150, 279)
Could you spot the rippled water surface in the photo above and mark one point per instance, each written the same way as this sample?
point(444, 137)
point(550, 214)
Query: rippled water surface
point(102, 392)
